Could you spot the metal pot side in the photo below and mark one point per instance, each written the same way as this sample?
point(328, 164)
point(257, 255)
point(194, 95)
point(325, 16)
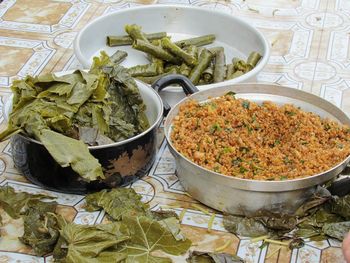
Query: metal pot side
point(242, 196)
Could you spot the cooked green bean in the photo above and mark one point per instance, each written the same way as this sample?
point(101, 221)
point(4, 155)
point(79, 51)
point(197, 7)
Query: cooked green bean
point(208, 73)
point(241, 65)
point(237, 74)
point(113, 41)
point(230, 70)
point(134, 31)
point(151, 80)
point(155, 51)
point(118, 56)
point(177, 51)
point(214, 50)
point(184, 68)
point(204, 61)
point(196, 41)
point(219, 66)
point(253, 58)
point(172, 68)
point(203, 82)
point(200, 49)
point(146, 70)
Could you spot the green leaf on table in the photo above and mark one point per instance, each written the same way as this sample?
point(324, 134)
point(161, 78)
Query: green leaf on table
point(211, 257)
point(41, 230)
point(341, 206)
point(15, 203)
point(337, 230)
point(84, 243)
point(148, 235)
point(117, 203)
point(244, 226)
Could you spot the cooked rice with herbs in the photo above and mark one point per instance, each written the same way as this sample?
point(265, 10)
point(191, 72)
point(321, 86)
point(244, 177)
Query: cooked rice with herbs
point(241, 138)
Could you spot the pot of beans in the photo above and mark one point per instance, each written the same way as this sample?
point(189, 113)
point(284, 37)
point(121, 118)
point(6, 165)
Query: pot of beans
point(248, 147)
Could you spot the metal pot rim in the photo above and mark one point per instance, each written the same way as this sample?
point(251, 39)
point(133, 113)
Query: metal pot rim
point(259, 185)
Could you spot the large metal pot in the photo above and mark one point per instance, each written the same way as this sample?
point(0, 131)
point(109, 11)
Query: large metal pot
point(122, 162)
point(242, 196)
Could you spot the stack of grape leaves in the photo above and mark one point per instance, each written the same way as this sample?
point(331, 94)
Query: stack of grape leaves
point(68, 113)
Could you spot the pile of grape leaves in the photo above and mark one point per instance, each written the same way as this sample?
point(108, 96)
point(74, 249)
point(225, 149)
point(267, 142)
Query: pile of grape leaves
point(132, 233)
point(68, 113)
point(323, 216)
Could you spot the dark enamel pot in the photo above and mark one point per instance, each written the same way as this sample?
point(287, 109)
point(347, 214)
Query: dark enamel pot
point(123, 162)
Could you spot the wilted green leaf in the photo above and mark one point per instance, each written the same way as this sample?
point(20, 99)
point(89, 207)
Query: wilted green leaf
point(147, 235)
point(341, 206)
point(337, 230)
point(15, 203)
point(40, 227)
point(211, 257)
point(83, 243)
point(244, 226)
point(70, 152)
point(117, 203)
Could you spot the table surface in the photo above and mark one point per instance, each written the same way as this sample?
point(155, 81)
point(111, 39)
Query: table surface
point(310, 51)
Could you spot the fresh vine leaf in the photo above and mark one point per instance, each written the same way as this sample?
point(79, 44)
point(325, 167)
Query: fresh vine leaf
point(117, 203)
point(148, 235)
point(244, 226)
point(84, 243)
point(337, 230)
point(209, 257)
point(41, 230)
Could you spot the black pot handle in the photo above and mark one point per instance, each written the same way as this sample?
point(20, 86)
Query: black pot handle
point(163, 82)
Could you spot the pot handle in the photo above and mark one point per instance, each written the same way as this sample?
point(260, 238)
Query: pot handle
point(163, 82)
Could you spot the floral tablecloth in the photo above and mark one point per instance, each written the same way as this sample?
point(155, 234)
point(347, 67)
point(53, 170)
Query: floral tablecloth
point(310, 51)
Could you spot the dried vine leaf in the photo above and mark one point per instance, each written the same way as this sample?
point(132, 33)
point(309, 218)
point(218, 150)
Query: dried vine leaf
point(244, 226)
point(117, 203)
point(208, 257)
point(341, 206)
point(41, 230)
point(148, 235)
point(337, 230)
point(14, 203)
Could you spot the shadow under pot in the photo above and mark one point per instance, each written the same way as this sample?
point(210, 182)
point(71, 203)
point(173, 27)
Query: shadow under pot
point(122, 162)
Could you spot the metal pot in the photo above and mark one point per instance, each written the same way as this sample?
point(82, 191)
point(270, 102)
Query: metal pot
point(242, 196)
point(123, 162)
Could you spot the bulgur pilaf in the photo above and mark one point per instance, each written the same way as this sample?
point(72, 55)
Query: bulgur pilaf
point(241, 138)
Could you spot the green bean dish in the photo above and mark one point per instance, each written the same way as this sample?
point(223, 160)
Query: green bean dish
point(188, 57)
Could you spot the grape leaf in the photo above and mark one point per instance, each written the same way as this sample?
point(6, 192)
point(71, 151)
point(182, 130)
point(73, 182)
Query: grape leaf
point(117, 203)
point(148, 235)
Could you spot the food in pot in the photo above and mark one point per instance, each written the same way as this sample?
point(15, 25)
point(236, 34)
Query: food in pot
point(186, 57)
point(68, 113)
point(240, 138)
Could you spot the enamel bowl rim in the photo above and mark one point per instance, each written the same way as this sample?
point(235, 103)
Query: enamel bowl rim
point(209, 12)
